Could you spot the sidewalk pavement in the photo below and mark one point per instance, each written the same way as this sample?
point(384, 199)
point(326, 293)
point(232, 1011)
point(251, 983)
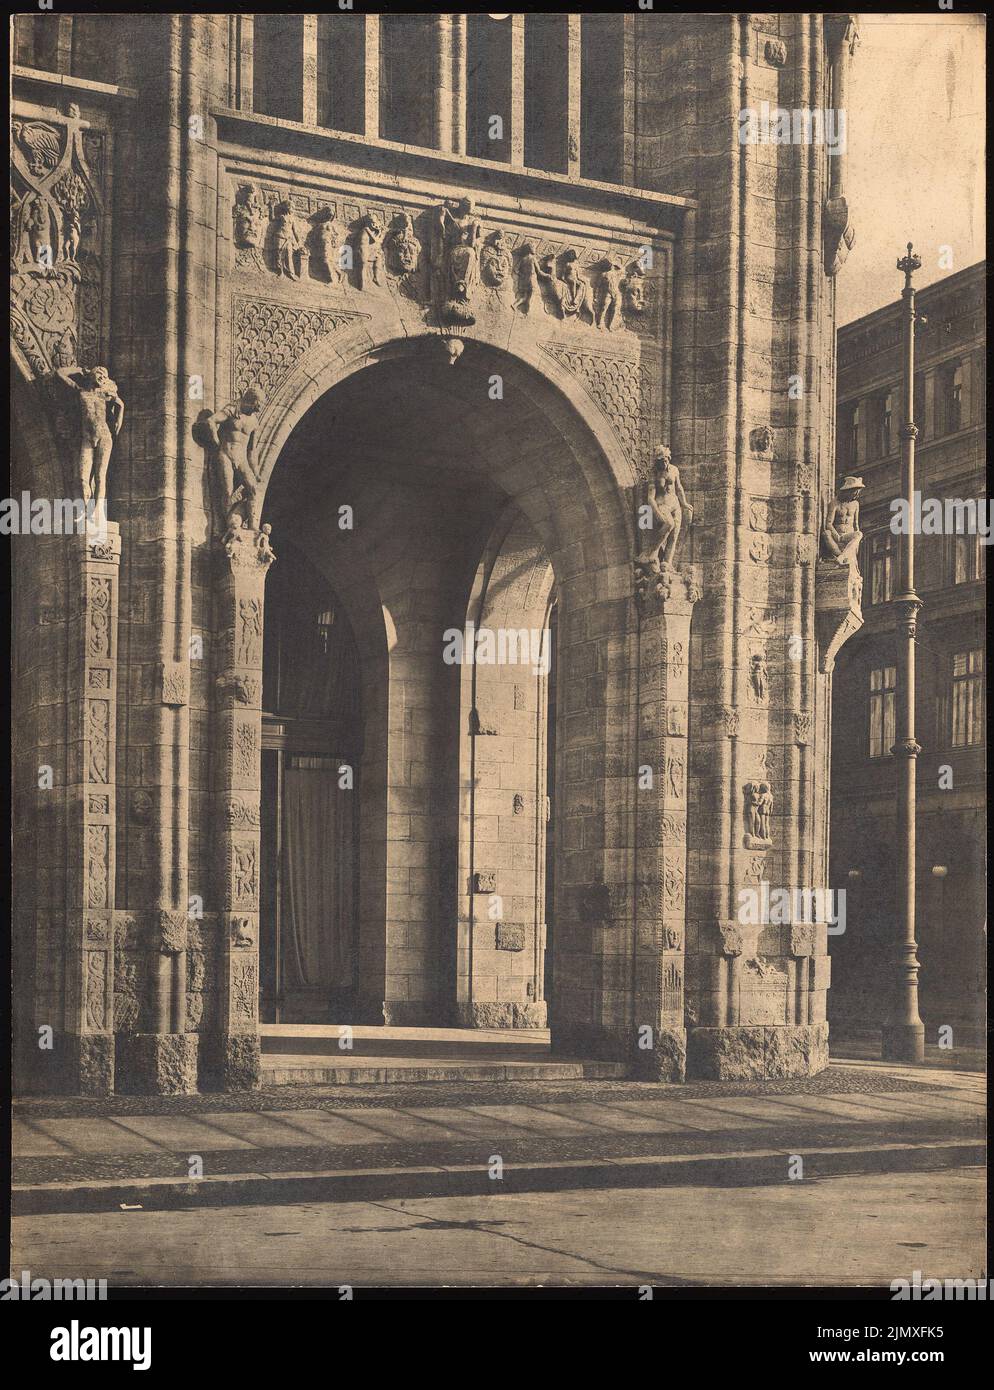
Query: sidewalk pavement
point(326, 1143)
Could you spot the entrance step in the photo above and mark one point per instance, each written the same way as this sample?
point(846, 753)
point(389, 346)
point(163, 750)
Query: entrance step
point(311, 1054)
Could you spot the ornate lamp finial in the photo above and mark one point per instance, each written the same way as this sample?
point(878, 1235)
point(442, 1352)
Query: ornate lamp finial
point(909, 264)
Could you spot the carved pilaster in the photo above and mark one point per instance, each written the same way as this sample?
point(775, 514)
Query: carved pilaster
point(242, 562)
point(92, 704)
point(661, 828)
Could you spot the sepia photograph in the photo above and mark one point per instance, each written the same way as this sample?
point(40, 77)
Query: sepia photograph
point(497, 534)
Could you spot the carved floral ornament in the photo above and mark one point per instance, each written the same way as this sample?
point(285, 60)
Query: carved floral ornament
point(56, 211)
point(441, 257)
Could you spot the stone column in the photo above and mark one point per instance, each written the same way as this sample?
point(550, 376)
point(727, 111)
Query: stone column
point(309, 69)
point(573, 97)
point(449, 43)
point(371, 112)
point(517, 90)
point(661, 826)
point(91, 700)
point(242, 560)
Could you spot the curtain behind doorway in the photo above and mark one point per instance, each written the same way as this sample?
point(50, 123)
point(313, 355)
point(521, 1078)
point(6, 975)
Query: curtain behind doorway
point(316, 922)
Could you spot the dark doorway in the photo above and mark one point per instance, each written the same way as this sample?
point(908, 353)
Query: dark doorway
point(311, 749)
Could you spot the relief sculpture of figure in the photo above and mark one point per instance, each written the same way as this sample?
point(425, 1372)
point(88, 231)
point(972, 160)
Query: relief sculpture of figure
point(456, 260)
point(36, 233)
point(670, 510)
point(101, 417)
point(532, 271)
point(369, 250)
point(609, 309)
point(230, 434)
point(72, 233)
point(288, 243)
point(573, 289)
point(327, 239)
point(758, 810)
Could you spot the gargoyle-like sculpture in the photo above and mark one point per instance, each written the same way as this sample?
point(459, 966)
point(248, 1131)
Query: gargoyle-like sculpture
point(404, 244)
point(633, 289)
point(495, 260)
point(101, 415)
point(250, 218)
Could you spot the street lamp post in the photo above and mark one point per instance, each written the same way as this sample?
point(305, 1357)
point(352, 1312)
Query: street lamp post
point(904, 1035)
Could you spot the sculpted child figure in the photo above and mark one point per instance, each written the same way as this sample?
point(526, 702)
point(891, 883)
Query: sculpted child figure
point(841, 535)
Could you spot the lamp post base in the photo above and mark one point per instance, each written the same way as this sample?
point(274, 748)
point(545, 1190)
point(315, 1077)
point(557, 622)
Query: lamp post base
point(903, 1042)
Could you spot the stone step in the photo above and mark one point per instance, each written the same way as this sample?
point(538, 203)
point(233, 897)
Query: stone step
point(310, 1070)
point(311, 1054)
point(467, 1044)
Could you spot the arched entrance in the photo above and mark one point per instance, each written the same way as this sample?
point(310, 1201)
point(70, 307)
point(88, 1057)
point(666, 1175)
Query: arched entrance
point(431, 506)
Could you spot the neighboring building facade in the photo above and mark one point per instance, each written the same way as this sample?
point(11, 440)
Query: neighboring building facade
point(950, 686)
point(411, 301)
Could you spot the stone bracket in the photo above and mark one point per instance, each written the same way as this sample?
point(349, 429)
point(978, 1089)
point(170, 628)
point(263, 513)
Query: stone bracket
point(838, 610)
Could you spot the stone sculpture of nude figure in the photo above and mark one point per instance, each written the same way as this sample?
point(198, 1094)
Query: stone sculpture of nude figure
point(841, 535)
point(232, 435)
point(101, 417)
point(668, 503)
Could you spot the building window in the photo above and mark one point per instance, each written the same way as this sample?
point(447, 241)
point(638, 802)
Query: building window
point(602, 97)
point(341, 75)
point(968, 559)
point(883, 561)
point(883, 690)
point(849, 435)
point(546, 97)
point(488, 87)
point(407, 79)
point(950, 388)
point(36, 42)
point(967, 702)
point(883, 424)
point(277, 66)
